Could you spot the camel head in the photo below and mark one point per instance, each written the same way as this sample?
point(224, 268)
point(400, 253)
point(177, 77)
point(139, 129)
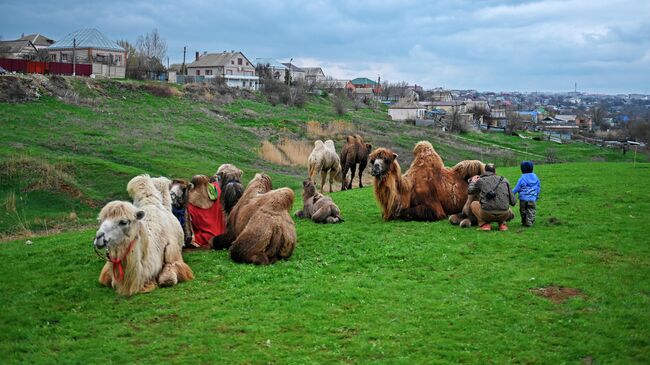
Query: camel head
point(227, 173)
point(308, 189)
point(119, 223)
point(381, 160)
point(178, 191)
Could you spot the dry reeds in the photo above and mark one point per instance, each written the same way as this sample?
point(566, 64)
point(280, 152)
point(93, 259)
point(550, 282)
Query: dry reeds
point(287, 152)
point(296, 151)
point(272, 154)
point(337, 128)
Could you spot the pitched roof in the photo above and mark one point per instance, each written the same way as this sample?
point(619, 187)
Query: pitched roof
point(406, 103)
point(216, 59)
point(313, 71)
point(363, 81)
point(38, 39)
point(86, 38)
point(13, 46)
point(273, 63)
point(293, 67)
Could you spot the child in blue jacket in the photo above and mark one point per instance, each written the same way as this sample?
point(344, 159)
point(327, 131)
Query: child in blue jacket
point(528, 188)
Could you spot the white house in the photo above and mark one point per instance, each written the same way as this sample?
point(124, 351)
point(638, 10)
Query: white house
point(406, 109)
point(233, 66)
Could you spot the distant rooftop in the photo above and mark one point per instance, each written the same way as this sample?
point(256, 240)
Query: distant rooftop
point(38, 40)
point(293, 67)
point(273, 63)
point(363, 81)
point(86, 38)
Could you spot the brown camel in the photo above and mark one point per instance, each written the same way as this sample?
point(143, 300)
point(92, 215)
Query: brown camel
point(354, 152)
point(428, 191)
point(260, 230)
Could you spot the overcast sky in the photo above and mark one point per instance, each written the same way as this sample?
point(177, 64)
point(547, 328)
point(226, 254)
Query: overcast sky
point(604, 46)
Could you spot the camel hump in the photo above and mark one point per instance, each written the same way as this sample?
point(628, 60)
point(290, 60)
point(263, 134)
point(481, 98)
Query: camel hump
point(330, 145)
point(468, 168)
point(318, 143)
point(350, 139)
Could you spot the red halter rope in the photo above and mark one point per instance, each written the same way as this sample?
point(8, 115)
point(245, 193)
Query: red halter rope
point(117, 263)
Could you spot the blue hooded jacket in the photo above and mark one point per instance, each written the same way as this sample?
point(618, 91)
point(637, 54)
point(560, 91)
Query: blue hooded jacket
point(528, 185)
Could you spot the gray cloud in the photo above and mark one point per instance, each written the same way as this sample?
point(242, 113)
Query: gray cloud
point(486, 45)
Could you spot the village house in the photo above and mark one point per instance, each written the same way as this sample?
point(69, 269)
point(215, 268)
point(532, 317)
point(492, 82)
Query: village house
point(90, 46)
point(364, 83)
point(313, 74)
point(406, 109)
point(26, 47)
point(297, 73)
point(233, 66)
point(276, 69)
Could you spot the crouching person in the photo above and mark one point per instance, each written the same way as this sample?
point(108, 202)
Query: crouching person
point(495, 199)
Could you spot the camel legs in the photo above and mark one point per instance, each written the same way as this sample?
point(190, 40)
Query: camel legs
point(323, 175)
point(148, 287)
point(331, 179)
point(354, 171)
point(344, 177)
point(362, 166)
point(105, 275)
point(175, 269)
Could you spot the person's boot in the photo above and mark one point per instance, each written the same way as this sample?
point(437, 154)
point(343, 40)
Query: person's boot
point(485, 227)
point(503, 227)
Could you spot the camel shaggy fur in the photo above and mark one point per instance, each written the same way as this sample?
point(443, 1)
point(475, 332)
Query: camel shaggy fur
point(323, 159)
point(143, 241)
point(354, 152)
point(179, 193)
point(428, 191)
point(318, 207)
point(260, 230)
point(229, 178)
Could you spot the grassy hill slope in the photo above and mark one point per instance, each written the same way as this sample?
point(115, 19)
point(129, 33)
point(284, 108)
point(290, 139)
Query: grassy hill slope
point(365, 291)
point(62, 158)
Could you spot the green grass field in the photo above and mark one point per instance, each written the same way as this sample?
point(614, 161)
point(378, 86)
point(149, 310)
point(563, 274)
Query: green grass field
point(60, 162)
point(365, 291)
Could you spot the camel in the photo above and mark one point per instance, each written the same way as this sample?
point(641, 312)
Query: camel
point(205, 211)
point(163, 185)
point(229, 178)
point(143, 242)
point(179, 194)
point(354, 152)
point(428, 191)
point(323, 159)
point(260, 230)
point(318, 207)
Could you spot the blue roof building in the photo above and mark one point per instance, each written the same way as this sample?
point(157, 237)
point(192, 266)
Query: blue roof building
point(86, 38)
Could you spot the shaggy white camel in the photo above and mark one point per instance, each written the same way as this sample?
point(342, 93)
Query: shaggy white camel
point(143, 242)
point(323, 158)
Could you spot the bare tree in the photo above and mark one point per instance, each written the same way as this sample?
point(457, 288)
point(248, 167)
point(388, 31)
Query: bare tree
point(479, 112)
point(597, 117)
point(153, 49)
point(133, 62)
point(514, 121)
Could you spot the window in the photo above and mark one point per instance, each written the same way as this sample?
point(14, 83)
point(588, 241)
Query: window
point(228, 72)
point(239, 61)
point(232, 62)
point(64, 57)
point(208, 72)
point(198, 72)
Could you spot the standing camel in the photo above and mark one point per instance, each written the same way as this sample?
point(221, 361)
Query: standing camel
point(354, 152)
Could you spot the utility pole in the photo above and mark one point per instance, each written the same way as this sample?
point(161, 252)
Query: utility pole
point(74, 57)
point(183, 67)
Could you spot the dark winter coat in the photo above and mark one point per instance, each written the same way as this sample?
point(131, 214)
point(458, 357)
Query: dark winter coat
point(503, 195)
